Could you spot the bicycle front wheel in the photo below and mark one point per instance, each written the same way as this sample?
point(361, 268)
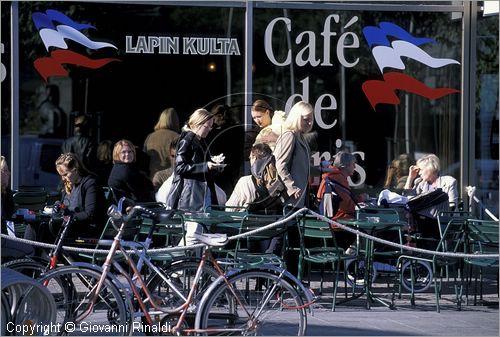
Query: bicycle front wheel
point(28, 267)
point(255, 303)
point(79, 309)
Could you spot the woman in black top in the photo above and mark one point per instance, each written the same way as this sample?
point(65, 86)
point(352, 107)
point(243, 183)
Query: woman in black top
point(193, 187)
point(82, 196)
point(125, 178)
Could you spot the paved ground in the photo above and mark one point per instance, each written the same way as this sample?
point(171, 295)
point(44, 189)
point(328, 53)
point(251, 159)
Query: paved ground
point(353, 319)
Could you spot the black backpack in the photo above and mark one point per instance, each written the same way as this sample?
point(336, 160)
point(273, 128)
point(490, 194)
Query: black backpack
point(270, 190)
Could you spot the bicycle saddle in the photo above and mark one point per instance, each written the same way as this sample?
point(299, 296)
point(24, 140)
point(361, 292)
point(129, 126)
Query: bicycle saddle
point(211, 239)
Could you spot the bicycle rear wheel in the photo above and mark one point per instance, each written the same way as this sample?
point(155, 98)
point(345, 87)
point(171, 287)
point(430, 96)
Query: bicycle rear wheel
point(261, 305)
point(72, 288)
point(182, 275)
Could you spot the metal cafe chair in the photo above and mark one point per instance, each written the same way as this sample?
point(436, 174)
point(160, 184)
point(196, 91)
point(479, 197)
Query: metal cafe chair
point(34, 200)
point(318, 245)
point(482, 239)
point(453, 240)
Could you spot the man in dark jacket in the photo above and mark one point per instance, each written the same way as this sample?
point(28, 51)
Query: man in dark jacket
point(81, 144)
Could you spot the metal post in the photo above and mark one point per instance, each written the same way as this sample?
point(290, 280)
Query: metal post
point(248, 64)
point(14, 97)
point(467, 150)
point(228, 59)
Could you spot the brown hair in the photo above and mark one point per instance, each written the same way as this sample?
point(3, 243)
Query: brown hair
point(262, 106)
point(71, 161)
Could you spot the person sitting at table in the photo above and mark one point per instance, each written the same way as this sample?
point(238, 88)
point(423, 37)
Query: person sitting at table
point(83, 197)
point(126, 179)
point(261, 192)
point(428, 169)
point(342, 168)
point(261, 189)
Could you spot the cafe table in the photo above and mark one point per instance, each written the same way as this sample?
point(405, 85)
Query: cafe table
point(217, 222)
point(371, 226)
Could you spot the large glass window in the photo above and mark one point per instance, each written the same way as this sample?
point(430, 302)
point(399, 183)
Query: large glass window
point(384, 84)
point(122, 64)
point(486, 133)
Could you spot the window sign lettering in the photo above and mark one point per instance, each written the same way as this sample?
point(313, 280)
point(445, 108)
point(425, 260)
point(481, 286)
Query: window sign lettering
point(190, 45)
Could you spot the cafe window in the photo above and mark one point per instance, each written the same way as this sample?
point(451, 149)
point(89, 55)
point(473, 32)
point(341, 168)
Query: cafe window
point(338, 61)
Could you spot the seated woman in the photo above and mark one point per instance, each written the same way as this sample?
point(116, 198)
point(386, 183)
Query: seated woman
point(428, 168)
point(424, 221)
point(83, 197)
point(342, 168)
point(125, 178)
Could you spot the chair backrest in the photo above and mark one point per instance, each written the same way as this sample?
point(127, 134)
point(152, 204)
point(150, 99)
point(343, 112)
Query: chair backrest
point(313, 231)
point(483, 232)
point(251, 222)
point(453, 237)
point(444, 217)
point(166, 233)
point(32, 200)
point(235, 211)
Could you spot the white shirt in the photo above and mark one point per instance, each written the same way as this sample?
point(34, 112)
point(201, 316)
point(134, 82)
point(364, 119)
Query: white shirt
point(244, 192)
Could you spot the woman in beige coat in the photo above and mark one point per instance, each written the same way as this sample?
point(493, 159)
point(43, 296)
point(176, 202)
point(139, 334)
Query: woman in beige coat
point(292, 153)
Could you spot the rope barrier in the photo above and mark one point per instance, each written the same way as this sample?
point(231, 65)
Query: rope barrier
point(261, 229)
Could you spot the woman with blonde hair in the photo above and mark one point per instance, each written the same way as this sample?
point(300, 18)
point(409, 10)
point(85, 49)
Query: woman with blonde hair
point(83, 197)
point(428, 169)
point(125, 178)
point(292, 152)
point(193, 187)
point(157, 143)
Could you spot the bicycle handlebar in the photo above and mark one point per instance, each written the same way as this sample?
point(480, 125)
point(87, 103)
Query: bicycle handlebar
point(158, 214)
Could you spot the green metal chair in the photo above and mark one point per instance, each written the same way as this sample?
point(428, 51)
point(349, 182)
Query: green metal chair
point(483, 239)
point(453, 240)
point(34, 200)
point(244, 254)
point(318, 245)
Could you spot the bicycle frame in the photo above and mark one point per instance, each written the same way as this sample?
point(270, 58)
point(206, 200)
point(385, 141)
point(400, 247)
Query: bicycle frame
point(136, 282)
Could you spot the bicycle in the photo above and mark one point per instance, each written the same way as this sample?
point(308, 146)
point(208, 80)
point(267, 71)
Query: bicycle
point(37, 265)
point(227, 305)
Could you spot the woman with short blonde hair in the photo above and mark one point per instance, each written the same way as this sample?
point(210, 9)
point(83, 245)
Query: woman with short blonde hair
point(293, 153)
point(118, 148)
point(126, 179)
point(428, 170)
point(168, 120)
